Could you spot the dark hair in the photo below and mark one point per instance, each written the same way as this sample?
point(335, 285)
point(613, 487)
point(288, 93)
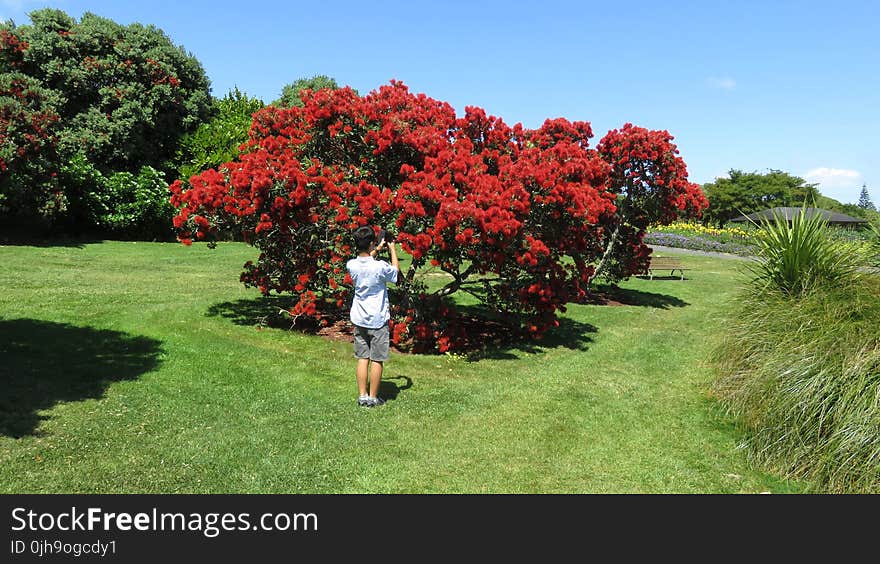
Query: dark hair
point(364, 236)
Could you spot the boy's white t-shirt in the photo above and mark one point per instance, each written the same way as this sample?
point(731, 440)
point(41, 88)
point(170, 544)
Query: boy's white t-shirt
point(370, 305)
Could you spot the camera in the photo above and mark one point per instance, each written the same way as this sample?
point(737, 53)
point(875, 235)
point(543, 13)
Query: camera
point(386, 235)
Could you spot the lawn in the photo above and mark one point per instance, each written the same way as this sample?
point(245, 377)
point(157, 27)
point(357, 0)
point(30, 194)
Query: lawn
point(139, 368)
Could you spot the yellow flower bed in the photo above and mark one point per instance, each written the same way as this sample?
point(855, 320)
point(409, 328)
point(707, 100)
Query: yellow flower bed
point(699, 229)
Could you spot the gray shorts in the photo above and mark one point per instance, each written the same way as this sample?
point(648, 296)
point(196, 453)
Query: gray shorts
point(371, 343)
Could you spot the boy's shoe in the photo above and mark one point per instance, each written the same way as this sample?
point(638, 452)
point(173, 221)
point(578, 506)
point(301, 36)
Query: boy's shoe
point(373, 402)
point(364, 401)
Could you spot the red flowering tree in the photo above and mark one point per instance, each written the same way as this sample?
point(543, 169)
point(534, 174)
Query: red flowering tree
point(514, 217)
point(650, 181)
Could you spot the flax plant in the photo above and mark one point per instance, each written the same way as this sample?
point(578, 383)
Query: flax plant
point(797, 255)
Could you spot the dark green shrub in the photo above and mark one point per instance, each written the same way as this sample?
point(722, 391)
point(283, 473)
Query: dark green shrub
point(28, 159)
point(120, 95)
point(127, 93)
point(84, 203)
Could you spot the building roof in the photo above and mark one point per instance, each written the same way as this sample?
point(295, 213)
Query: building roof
point(788, 213)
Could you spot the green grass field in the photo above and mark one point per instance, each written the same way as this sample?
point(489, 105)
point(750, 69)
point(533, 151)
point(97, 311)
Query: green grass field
point(138, 368)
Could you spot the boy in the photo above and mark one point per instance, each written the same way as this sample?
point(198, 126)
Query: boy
point(370, 312)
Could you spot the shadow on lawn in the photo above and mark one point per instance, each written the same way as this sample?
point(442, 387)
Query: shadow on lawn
point(491, 335)
point(17, 233)
point(45, 363)
point(389, 390)
point(503, 342)
point(615, 295)
point(263, 310)
point(486, 334)
point(49, 243)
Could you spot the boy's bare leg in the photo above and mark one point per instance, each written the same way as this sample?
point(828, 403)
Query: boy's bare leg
point(375, 378)
point(361, 375)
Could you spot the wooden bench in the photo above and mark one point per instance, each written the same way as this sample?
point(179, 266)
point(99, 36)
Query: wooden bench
point(666, 263)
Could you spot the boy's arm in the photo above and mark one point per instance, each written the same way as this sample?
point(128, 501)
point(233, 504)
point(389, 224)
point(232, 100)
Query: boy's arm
point(377, 248)
point(392, 248)
point(395, 265)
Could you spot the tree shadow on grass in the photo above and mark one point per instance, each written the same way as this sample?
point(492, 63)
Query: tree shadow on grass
point(489, 335)
point(49, 243)
point(264, 311)
point(19, 233)
point(45, 363)
point(615, 295)
point(272, 311)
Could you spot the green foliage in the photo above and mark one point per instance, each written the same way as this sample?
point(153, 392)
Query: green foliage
point(853, 210)
point(122, 204)
point(138, 204)
point(95, 108)
point(85, 184)
point(800, 255)
point(874, 241)
point(290, 93)
point(127, 93)
point(217, 140)
point(747, 192)
point(803, 377)
point(27, 145)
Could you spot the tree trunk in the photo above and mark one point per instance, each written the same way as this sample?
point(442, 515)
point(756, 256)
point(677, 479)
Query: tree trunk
point(601, 266)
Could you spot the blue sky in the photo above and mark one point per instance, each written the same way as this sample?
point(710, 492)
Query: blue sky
point(751, 85)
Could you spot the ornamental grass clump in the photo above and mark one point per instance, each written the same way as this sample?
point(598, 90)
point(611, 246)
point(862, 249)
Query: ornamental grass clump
point(874, 243)
point(803, 377)
point(799, 365)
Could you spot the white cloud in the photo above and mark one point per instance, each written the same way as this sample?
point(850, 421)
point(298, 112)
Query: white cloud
point(834, 177)
point(841, 184)
point(724, 82)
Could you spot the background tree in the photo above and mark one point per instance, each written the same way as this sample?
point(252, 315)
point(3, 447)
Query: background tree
point(290, 94)
point(865, 200)
point(747, 192)
point(217, 140)
point(854, 210)
point(123, 96)
point(127, 92)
